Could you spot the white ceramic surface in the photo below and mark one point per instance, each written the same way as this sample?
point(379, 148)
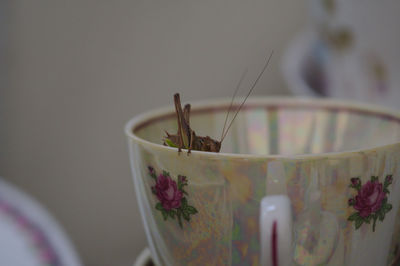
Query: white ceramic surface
point(29, 236)
point(144, 258)
point(337, 162)
point(275, 230)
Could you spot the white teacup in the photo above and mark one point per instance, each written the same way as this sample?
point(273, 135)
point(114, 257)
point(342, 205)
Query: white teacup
point(297, 182)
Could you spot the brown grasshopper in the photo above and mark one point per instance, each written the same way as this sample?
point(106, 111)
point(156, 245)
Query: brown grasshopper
point(186, 138)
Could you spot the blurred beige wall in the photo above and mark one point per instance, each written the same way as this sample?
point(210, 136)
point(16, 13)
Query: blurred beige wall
point(73, 72)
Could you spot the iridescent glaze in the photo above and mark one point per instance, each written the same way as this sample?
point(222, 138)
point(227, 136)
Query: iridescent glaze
point(306, 149)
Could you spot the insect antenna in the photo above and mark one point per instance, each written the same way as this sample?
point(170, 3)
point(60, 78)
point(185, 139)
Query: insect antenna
point(233, 98)
point(248, 94)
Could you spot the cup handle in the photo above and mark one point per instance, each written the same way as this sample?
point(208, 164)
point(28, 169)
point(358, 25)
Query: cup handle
point(276, 230)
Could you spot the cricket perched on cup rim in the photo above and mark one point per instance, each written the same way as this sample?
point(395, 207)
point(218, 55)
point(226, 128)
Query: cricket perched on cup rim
point(186, 138)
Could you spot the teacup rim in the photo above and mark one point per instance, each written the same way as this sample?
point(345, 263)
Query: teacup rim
point(150, 116)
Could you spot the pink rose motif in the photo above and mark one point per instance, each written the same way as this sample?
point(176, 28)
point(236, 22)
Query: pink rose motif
point(371, 201)
point(167, 192)
point(173, 203)
point(369, 198)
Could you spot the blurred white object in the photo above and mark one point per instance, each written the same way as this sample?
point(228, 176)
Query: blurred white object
point(356, 44)
point(144, 258)
point(29, 235)
point(303, 66)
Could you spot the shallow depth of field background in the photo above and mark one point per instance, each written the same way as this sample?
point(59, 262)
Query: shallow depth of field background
point(73, 72)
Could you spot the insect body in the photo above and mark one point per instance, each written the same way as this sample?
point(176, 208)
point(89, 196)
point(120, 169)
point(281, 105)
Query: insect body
point(186, 138)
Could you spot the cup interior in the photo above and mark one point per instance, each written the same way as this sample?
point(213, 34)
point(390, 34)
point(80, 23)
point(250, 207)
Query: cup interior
point(282, 127)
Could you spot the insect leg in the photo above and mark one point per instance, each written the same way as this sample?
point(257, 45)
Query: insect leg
point(186, 114)
point(184, 128)
point(192, 137)
point(178, 110)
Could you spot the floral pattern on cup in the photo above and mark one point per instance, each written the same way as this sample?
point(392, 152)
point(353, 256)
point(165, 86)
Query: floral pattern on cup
point(171, 196)
point(370, 203)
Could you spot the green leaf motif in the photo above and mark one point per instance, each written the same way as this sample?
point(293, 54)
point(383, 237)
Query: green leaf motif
point(367, 219)
point(191, 210)
point(184, 202)
point(384, 201)
point(387, 207)
point(381, 215)
point(374, 224)
point(388, 181)
point(359, 222)
point(164, 214)
point(159, 206)
point(165, 173)
point(186, 216)
point(354, 216)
